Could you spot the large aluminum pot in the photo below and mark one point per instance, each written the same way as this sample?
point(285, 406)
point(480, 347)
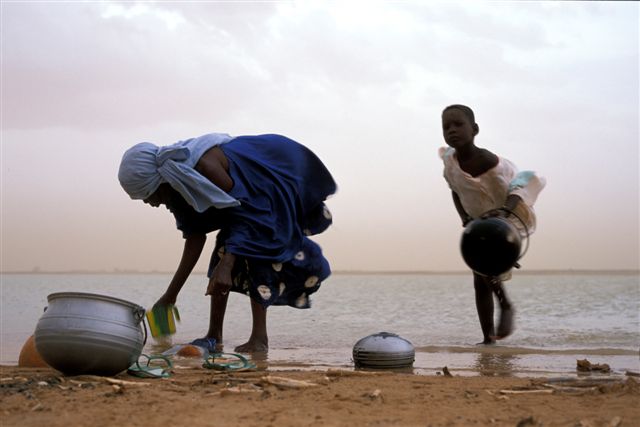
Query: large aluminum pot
point(82, 333)
point(383, 350)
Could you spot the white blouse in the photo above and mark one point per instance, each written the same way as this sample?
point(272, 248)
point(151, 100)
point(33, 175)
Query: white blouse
point(490, 190)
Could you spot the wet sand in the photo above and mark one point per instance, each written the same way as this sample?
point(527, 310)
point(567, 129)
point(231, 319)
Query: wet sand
point(287, 396)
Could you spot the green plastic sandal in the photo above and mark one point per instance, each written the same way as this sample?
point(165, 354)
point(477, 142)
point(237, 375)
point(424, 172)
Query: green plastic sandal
point(242, 364)
point(148, 371)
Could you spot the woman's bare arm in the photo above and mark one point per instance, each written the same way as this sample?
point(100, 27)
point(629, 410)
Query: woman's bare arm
point(193, 246)
point(215, 166)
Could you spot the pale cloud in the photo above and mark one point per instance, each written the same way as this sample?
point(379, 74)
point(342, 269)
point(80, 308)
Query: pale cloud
point(554, 86)
point(123, 71)
point(172, 20)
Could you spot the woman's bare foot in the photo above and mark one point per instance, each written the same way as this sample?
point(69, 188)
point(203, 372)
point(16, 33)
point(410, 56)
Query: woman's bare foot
point(219, 346)
point(258, 340)
point(253, 346)
point(208, 343)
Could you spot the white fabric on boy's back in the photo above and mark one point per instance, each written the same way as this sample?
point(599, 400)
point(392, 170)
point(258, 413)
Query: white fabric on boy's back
point(145, 166)
point(527, 185)
point(490, 190)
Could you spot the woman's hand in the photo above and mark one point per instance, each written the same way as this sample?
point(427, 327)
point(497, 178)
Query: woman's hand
point(221, 281)
point(165, 300)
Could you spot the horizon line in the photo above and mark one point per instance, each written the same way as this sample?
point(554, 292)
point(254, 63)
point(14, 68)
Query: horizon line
point(626, 271)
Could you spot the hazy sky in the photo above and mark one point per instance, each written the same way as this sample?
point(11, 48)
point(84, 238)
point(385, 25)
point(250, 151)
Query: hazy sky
point(554, 86)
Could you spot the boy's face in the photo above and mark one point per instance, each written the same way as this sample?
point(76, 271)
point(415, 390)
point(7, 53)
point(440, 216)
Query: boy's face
point(457, 129)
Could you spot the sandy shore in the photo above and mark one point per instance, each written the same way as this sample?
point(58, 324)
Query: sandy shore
point(193, 396)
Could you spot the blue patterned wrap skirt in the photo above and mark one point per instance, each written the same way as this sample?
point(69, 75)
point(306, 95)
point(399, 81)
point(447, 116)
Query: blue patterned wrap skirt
point(281, 186)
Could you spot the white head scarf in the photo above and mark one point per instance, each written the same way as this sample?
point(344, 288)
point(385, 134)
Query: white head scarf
point(145, 166)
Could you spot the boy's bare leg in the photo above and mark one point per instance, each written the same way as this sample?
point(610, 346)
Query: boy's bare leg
point(484, 305)
point(258, 341)
point(505, 326)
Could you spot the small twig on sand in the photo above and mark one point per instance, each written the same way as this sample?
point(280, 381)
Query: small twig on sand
point(526, 391)
point(96, 378)
point(343, 373)
point(287, 382)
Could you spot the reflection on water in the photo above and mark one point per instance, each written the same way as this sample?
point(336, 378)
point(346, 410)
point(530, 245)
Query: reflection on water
point(495, 364)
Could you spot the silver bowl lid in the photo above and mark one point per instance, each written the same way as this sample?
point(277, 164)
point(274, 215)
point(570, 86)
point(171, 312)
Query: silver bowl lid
point(383, 350)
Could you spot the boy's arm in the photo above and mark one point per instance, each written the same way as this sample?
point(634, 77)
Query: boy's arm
point(464, 216)
point(193, 246)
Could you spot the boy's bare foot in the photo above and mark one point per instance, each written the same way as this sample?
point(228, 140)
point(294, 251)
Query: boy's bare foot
point(505, 328)
point(487, 341)
point(252, 346)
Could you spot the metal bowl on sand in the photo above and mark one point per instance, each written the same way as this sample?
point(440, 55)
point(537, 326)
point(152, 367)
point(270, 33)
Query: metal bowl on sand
point(383, 350)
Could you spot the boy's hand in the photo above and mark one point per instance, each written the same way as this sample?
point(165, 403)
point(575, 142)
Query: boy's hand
point(512, 202)
point(501, 213)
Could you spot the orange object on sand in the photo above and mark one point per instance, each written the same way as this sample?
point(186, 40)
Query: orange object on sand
point(29, 356)
point(190, 351)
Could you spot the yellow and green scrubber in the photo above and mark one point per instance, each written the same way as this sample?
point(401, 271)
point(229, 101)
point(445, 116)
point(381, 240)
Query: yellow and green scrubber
point(162, 320)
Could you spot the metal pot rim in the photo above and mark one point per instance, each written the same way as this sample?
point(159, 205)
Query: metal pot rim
point(90, 296)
